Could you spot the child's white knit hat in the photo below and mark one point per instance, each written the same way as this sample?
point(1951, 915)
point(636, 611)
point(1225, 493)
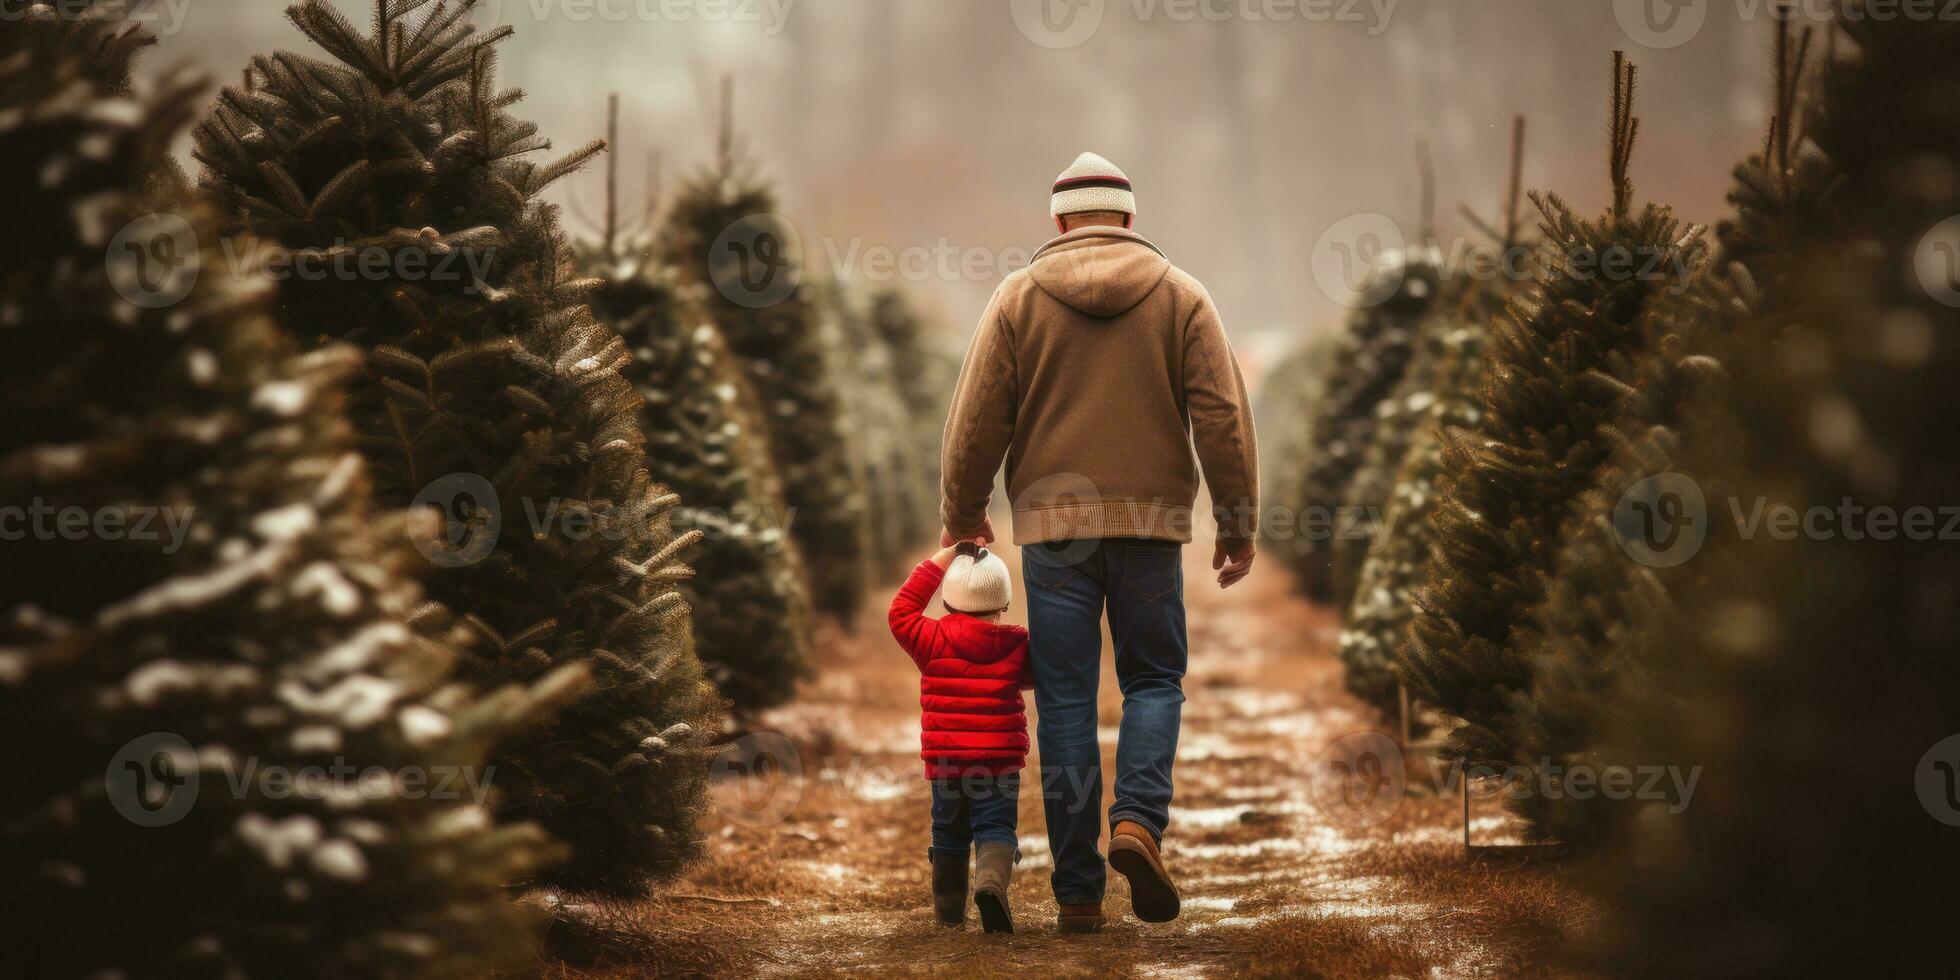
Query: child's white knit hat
point(1092, 183)
point(977, 582)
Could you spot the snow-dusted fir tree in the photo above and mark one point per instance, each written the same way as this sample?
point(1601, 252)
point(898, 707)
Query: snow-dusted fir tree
point(1399, 471)
point(901, 499)
point(924, 373)
point(1807, 680)
point(1592, 638)
point(722, 235)
point(1508, 484)
point(1285, 406)
point(396, 166)
point(706, 439)
point(1366, 363)
point(239, 749)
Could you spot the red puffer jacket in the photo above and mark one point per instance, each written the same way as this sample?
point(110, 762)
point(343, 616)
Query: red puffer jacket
point(972, 673)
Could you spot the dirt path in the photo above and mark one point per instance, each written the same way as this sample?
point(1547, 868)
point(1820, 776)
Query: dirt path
point(1285, 869)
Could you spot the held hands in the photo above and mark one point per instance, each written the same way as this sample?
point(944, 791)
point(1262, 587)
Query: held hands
point(1233, 559)
point(984, 535)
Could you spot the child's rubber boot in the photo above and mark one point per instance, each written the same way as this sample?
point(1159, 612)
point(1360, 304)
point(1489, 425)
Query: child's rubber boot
point(993, 870)
point(949, 886)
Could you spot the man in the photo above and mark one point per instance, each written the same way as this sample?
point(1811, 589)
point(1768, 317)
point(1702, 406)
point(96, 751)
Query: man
point(1094, 372)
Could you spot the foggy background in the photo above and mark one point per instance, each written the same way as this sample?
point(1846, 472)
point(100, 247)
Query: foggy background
point(938, 125)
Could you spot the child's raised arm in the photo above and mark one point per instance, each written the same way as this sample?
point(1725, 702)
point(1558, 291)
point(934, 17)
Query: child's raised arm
point(910, 625)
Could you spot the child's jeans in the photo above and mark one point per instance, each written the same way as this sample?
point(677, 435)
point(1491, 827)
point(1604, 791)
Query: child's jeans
point(969, 810)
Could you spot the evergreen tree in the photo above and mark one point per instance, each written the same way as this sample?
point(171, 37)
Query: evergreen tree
point(397, 169)
point(1808, 678)
point(718, 216)
point(236, 608)
point(1285, 406)
point(924, 373)
point(1591, 638)
point(1508, 484)
point(706, 440)
point(902, 506)
point(1367, 362)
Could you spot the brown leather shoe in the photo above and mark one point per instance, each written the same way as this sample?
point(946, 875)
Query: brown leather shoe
point(1133, 853)
point(949, 885)
point(1078, 919)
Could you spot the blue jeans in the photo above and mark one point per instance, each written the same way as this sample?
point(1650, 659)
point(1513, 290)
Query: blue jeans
point(1069, 584)
point(975, 810)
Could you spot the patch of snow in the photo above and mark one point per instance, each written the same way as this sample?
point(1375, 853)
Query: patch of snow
point(422, 724)
point(282, 398)
point(338, 596)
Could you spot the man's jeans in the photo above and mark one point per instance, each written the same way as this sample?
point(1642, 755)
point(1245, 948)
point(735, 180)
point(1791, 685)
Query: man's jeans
point(975, 810)
point(1069, 584)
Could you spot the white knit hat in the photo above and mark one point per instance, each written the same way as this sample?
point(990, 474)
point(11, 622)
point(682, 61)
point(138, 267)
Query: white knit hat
point(977, 584)
point(1092, 183)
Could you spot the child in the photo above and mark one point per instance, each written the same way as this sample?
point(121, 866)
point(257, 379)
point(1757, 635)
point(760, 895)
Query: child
point(975, 732)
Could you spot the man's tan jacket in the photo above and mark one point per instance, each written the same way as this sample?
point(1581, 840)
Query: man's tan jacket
point(1094, 372)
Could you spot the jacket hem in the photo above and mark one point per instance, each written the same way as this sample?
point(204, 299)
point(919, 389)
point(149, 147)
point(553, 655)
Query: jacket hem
point(1113, 519)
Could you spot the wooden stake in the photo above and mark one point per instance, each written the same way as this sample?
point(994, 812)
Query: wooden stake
point(1402, 692)
point(1517, 185)
point(1463, 786)
point(612, 176)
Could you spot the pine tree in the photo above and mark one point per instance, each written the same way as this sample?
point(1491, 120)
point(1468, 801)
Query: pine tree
point(1368, 361)
point(706, 440)
point(245, 610)
point(924, 374)
point(1808, 679)
point(1508, 484)
point(777, 342)
point(1285, 406)
point(879, 430)
point(396, 167)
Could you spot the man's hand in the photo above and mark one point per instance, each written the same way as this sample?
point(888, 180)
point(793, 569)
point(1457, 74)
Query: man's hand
point(1233, 560)
point(984, 535)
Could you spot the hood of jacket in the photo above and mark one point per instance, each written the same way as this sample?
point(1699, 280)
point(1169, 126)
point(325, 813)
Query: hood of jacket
point(979, 641)
point(1099, 270)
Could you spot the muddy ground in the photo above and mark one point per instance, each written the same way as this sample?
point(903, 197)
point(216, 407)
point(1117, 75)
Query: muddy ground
point(1287, 868)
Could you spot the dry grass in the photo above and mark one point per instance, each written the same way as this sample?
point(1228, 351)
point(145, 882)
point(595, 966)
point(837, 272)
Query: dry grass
point(1272, 886)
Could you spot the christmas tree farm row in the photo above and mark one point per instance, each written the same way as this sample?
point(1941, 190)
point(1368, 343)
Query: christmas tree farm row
point(1558, 583)
point(359, 706)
